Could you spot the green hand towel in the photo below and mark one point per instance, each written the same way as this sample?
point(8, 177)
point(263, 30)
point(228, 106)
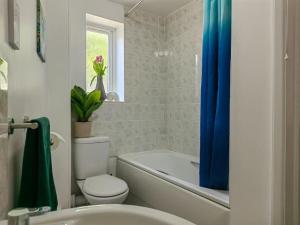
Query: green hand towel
point(37, 183)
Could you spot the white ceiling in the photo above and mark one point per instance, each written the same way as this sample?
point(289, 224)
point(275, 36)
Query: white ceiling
point(158, 7)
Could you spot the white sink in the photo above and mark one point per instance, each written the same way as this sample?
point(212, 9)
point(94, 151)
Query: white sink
point(108, 215)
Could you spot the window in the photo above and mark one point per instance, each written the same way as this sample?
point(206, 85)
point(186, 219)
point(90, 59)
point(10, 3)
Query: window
point(105, 37)
point(97, 43)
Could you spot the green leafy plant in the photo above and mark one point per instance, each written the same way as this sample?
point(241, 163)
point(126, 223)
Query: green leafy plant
point(84, 104)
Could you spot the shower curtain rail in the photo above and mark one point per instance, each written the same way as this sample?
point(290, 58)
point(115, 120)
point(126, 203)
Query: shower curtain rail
point(133, 8)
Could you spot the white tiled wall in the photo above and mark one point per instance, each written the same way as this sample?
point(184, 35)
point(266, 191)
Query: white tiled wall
point(161, 108)
point(184, 39)
point(138, 124)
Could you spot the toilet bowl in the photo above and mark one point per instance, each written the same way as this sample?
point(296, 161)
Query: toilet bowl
point(104, 189)
point(90, 157)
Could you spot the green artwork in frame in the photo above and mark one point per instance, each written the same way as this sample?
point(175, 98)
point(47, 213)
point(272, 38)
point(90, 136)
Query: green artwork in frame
point(40, 32)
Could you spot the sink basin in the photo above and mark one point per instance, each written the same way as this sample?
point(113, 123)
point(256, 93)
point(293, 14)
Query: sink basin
point(108, 215)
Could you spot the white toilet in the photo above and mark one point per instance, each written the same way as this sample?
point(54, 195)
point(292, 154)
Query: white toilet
point(90, 163)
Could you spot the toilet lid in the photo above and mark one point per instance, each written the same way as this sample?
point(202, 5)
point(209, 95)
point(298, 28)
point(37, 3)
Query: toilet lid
point(104, 186)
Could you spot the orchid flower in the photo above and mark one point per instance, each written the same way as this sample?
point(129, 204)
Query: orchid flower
point(99, 67)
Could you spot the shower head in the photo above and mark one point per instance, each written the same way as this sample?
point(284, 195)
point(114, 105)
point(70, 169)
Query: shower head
point(133, 8)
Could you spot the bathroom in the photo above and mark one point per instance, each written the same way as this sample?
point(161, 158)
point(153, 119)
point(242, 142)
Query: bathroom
point(149, 125)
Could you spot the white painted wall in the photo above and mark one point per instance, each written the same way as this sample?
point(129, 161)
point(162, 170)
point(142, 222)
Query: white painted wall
point(279, 112)
point(27, 77)
point(37, 89)
point(293, 111)
point(252, 90)
point(297, 84)
point(59, 107)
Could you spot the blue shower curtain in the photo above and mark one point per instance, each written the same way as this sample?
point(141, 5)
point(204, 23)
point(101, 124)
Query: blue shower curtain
point(215, 94)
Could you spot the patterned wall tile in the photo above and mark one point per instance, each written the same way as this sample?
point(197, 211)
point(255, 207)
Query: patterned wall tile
point(139, 123)
point(161, 109)
point(184, 39)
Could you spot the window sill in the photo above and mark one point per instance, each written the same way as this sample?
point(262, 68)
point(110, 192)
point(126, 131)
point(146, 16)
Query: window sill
point(112, 101)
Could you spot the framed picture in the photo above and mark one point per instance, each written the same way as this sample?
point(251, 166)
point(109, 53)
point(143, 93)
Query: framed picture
point(14, 24)
point(40, 32)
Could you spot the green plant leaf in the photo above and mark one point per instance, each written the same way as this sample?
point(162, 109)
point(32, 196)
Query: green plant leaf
point(96, 67)
point(92, 81)
point(81, 91)
point(92, 98)
point(78, 98)
point(93, 108)
point(83, 104)
point(78, 95)
point(79, 112)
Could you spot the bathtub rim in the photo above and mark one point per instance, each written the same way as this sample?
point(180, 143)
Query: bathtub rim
point(201, 191)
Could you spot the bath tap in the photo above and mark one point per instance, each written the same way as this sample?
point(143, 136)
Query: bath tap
point(21, 216)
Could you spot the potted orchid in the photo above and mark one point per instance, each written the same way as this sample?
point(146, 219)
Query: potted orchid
point(100, 69)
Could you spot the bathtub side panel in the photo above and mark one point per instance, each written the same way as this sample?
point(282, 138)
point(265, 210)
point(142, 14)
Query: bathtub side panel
point(170, 198)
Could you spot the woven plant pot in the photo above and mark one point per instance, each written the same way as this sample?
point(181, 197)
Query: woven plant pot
point(82, 129)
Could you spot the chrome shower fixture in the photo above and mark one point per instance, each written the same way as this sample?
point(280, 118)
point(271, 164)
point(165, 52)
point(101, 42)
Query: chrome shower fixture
point(133, 8)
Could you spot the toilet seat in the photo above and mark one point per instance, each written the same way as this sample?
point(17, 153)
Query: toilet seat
point(119, 199)
point(104, 186)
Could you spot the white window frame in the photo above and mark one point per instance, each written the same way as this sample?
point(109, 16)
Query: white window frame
point(116, 80)
point(111, 32)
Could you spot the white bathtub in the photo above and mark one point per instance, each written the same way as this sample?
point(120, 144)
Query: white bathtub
point(169, 181)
